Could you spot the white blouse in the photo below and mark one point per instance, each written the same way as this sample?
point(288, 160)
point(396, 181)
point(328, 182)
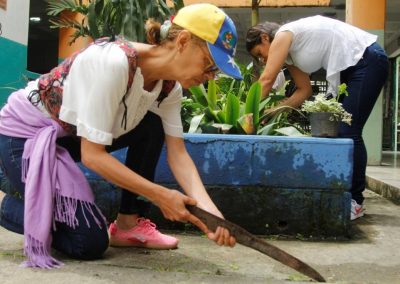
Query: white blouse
point(321, 42)
point(93, 91)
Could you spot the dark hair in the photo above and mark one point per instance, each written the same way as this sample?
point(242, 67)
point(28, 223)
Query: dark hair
point(253, 36)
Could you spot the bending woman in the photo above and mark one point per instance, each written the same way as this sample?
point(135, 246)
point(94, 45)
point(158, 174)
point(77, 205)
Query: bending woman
point(348, 54)
point(111, 95)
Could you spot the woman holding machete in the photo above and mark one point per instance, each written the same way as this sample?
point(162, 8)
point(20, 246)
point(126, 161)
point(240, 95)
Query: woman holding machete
point(111, 95)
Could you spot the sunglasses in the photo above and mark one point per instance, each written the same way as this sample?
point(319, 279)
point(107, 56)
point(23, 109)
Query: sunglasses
point(211, 67)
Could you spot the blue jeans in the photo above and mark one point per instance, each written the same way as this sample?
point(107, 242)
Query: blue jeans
point(144, 147)
point(364, 84)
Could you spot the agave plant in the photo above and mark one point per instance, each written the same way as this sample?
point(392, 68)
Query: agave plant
point(109, 17)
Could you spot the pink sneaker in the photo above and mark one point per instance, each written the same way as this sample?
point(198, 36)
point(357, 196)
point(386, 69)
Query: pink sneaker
point(144, 234)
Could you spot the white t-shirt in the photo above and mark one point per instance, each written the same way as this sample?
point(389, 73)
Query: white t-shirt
point(321, 42)
point(93, 92)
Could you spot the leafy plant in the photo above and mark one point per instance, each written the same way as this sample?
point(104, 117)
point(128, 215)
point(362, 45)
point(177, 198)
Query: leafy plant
point(232, 106)
point(331, 105)
point(109, 17)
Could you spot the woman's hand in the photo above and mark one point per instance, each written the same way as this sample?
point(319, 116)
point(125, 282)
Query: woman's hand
point(173, 206)
point(221, 236)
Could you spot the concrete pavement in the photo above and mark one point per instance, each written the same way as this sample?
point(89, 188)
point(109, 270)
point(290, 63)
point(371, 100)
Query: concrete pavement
point(371, 256)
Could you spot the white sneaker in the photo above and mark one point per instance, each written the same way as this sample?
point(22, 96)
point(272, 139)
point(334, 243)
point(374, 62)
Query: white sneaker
point(357, 210)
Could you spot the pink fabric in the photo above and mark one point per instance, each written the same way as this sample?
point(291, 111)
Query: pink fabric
point(54, 184)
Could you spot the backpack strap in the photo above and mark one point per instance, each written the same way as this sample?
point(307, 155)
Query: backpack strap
point(50, 87)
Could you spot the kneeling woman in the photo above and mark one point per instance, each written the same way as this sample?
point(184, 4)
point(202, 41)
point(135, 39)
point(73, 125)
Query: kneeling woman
point(111, 95)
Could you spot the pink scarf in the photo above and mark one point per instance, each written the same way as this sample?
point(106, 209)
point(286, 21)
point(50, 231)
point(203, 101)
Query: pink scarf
point(54, 184)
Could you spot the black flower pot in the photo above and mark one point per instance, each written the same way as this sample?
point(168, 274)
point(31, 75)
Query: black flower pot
point(323, 124)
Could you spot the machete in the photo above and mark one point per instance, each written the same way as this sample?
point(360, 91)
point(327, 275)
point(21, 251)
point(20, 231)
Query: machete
point(245, 238)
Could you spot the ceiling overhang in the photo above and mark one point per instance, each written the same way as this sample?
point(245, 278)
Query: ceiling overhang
point(262, 3)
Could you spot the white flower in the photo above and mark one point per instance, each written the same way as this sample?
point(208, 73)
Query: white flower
point(322, 104)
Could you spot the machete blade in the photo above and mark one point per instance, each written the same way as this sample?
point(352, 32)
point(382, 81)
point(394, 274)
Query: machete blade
point(247, 239)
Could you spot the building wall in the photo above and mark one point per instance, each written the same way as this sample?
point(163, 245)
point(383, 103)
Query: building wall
point(13, 46)
point(242, 19)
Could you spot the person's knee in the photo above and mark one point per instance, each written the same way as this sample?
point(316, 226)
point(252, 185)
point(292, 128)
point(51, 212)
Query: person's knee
point(90, 248)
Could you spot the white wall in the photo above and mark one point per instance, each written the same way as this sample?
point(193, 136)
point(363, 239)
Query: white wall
point(15, 21)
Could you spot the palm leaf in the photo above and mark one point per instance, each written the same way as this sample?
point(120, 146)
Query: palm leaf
point(56, 7)
point(178, 4)
point(64, 23)
point(92, 18)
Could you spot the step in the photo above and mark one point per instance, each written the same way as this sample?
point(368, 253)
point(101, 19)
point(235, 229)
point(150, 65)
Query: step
point(384, 180)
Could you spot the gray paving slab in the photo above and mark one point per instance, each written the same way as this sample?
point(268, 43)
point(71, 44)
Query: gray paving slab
point(371, 256)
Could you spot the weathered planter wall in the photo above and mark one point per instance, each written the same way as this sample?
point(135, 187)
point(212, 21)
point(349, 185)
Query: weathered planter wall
point(269, 184)
point(274, 184)
point(271, 161)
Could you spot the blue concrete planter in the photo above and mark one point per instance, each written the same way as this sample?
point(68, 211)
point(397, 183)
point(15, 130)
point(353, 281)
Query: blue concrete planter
point(267, 184)
point(275, 184)
point(271, 161)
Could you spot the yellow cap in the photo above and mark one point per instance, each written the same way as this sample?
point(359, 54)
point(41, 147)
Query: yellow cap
point(204, 20)
point(211, 24)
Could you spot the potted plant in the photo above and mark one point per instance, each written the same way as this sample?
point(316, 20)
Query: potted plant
point(326, 113)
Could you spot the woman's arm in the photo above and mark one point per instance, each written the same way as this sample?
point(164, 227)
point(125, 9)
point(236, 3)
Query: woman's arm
point(303, 88)
point(277, 54)
point(186, 174)
point(171, 202)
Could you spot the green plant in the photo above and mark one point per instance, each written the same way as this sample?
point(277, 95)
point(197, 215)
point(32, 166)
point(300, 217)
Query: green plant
point(331, 105)
point(109, 17)
point(232, 106)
